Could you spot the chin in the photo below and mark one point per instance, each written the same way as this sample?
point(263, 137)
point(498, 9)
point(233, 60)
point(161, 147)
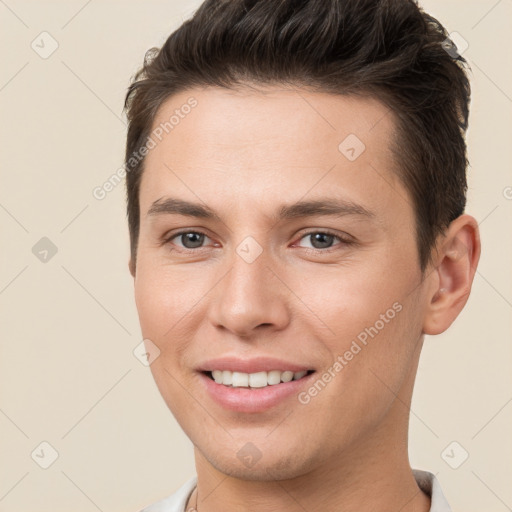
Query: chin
point(266, 469)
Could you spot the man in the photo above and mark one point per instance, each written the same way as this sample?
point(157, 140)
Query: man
point(296, 177)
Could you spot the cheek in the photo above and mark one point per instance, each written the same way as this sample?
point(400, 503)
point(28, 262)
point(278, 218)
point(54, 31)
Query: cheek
point(349, 299)
point(171, 303)
point(371, 317)
point(154, 304)
point(161, 299)
point(162, 305)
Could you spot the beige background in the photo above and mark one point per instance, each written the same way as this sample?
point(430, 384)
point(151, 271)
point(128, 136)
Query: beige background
point(68, 375)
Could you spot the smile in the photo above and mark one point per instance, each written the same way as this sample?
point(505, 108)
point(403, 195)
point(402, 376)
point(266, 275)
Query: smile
point(255, 380)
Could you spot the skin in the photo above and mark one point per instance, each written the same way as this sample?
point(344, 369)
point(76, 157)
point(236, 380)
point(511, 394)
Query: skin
point(244, 154)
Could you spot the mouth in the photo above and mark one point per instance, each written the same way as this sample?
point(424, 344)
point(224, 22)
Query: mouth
point(259, 391)
point(257, 380)
point(254, 385)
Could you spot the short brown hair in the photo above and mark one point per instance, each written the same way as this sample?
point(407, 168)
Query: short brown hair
point(388, 49)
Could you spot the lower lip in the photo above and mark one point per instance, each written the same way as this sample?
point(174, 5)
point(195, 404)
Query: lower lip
point(252, 400)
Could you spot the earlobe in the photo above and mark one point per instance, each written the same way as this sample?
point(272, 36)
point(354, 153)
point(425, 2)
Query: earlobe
point(456, 261)
point(131, 267)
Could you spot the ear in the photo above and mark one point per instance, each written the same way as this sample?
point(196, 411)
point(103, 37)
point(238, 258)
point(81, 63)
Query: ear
point(131, 267)
point(451, 277)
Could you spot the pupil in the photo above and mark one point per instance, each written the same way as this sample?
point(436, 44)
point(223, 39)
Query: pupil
point(320, 237)
point(195, 239)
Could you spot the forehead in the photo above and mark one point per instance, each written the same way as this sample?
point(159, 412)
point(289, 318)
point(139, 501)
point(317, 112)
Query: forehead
point(261, 143)
point(272, 114)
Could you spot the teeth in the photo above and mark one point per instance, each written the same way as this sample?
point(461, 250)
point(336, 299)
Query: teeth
point(227, 377)
point(240, 380)
point(258, 380)
point(273, 377)
point(255, 380)
point(287, 376)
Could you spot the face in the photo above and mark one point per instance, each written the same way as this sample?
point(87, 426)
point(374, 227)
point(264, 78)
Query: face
point(277, 243)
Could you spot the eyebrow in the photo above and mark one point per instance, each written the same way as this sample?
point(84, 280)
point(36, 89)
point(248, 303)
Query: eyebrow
point(334, 207)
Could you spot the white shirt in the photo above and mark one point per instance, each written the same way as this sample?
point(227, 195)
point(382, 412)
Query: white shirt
point(427, 482)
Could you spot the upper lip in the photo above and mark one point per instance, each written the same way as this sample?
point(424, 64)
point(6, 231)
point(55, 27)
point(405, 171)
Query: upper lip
point(253, 365)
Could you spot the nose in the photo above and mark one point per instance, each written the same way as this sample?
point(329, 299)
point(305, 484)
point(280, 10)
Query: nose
point(250, 298)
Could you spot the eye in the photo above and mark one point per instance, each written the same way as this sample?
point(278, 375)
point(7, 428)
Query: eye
point(189, 239)
point(321, 240)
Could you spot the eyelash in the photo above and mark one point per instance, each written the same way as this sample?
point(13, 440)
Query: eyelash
point(343, 241)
